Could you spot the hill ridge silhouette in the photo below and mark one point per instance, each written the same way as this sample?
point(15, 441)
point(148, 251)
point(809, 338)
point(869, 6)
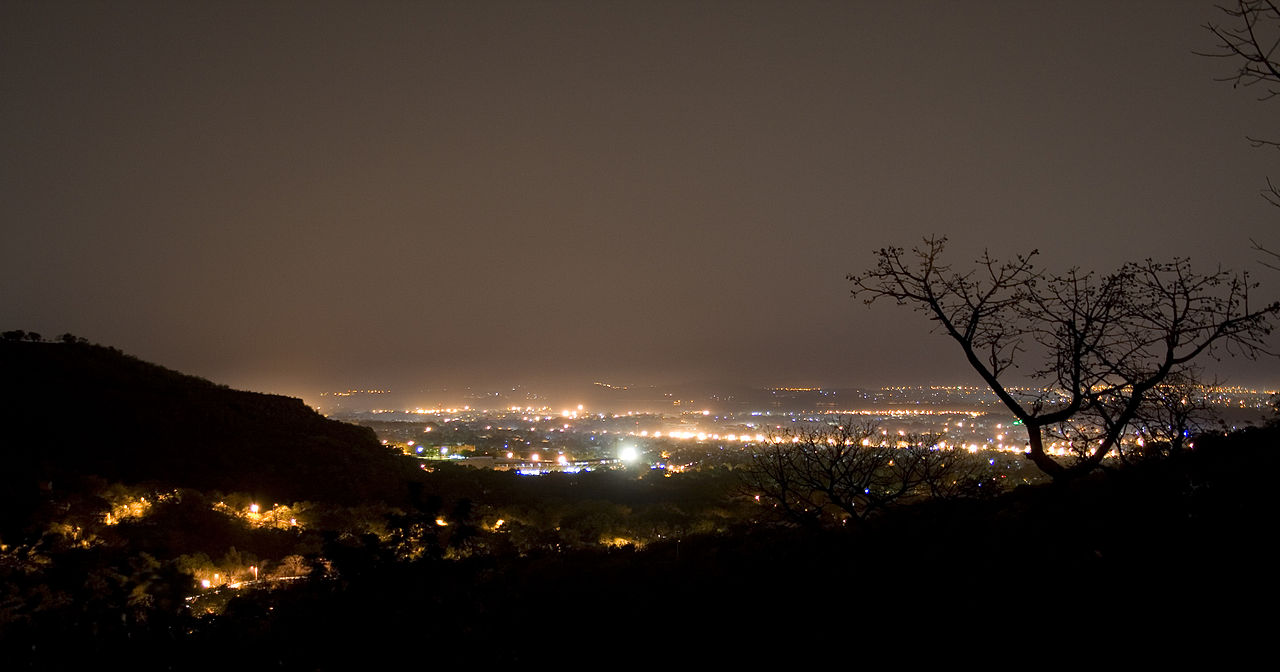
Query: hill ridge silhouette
point(73, 409)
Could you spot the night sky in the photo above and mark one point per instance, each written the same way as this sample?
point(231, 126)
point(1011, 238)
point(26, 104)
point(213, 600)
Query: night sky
point(306, 196)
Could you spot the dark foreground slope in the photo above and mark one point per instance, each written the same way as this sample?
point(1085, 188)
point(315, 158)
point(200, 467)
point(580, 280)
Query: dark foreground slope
point(1167, 560)
point(68, 410)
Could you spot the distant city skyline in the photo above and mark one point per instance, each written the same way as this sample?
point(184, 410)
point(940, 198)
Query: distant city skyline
point(705, 398)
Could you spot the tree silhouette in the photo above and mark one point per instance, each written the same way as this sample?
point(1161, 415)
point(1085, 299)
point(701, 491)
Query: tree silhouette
point(1097, 347)
point(1252, 40)
point(1178, 410)
point(846, 471)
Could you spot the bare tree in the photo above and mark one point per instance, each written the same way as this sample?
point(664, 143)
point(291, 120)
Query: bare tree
point(1251, 38)
point(1179, 410)
point(1097, 347)
point(945, 472)
point(1172, 413)
point(847, 471)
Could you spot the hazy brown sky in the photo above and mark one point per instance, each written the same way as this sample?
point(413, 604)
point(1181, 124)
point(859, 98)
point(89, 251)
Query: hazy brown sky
point(313, 195)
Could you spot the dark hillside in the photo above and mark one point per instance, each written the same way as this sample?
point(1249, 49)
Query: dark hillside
point(69, 410)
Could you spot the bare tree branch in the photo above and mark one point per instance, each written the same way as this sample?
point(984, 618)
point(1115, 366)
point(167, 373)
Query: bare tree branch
point(846, 471)
point(1100, 346)
point(1252, 39)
